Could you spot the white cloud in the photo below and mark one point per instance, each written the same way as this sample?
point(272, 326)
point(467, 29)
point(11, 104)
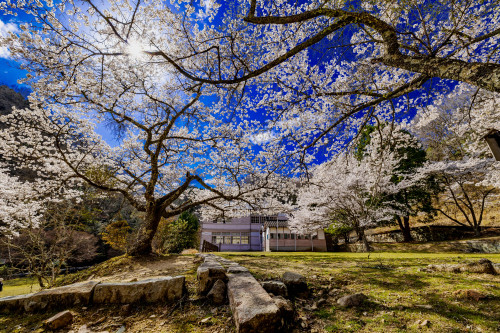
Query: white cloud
point(209, 6)
point(262, 138)
point(5, 29)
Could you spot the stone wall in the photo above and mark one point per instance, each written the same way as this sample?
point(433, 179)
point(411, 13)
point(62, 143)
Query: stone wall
point(85, 293)
point(482, 245)
point(431, 233)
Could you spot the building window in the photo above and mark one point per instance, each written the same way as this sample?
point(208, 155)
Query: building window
point(255, 219)
point(273, 236)
point(307, 236)
point(286, 236)
point(292, 236)
point(315, 236)
point(245, 238)
point(217, 239)
point(235, 238)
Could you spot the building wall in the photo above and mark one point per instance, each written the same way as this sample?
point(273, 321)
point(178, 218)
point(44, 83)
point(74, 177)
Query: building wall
point(236, 227)
point(275, 240)
point(258, 238)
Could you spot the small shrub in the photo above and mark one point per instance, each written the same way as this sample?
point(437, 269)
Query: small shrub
point(176, 236)
point(116, 235)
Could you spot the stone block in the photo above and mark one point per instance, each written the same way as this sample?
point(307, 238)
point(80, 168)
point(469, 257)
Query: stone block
point(148, 291)
point(60, 320)
point(352, 300)
point(277, 288)
point(295, 283)
point(13, 303)
point(253, 309)
point(217, 295)
point(70, 295)
point(209, 272)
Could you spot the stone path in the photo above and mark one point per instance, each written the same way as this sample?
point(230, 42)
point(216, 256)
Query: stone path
point(254, 310)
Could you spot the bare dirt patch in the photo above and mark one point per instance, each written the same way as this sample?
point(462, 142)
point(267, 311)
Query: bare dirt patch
point(126, 269)
point(150, 267)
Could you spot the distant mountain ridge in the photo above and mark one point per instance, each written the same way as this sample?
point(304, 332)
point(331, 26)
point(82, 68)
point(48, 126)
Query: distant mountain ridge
point(10, 98)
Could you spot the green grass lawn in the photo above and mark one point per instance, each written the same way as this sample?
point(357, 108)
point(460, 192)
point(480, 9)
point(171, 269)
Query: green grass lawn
point(19, 286)
point(399, 294)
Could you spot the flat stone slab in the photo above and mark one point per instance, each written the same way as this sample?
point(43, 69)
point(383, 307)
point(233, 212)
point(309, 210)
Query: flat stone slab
point(13, 303)
point(253, 309)
point(60, 320)
point(149, 291)
point(73, 294)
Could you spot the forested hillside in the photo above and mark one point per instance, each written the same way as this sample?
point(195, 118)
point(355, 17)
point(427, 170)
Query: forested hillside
point(10, 98)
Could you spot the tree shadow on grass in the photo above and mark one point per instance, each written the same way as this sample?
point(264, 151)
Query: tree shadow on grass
point(461, 312)
point(455, 311)
point(396, 281)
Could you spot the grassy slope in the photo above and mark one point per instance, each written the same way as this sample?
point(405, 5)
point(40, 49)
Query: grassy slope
point(19, 286)
point(399, 294)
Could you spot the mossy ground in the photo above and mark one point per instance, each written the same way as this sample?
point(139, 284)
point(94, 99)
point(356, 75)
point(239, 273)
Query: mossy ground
point(399, 296)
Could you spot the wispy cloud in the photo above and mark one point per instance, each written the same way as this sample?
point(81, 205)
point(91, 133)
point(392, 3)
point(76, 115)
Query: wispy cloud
point(208, 6)
point(262, 138)
point(5, 29)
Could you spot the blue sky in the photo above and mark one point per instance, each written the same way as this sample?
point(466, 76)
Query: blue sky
point(10, 71)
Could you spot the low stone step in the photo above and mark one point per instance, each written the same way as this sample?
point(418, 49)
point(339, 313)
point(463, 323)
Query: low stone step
point(73, 294)
point(83, 293)
point(149, 291)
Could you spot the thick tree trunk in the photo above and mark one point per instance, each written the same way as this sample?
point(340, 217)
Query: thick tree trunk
point(346, 238)
point(477, 230)
point(362, 238)
point(142, 243)
point(482, 75)
point(404, 225)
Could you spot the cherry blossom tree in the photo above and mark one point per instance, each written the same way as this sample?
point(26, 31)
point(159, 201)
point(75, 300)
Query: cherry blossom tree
point(331, 65)
point(452, 129)
point(467, 192)
point(317, 72)
point(163, 153)
point(417, 197)
point(176, 147)
point(346, 191)
point(17, 211)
